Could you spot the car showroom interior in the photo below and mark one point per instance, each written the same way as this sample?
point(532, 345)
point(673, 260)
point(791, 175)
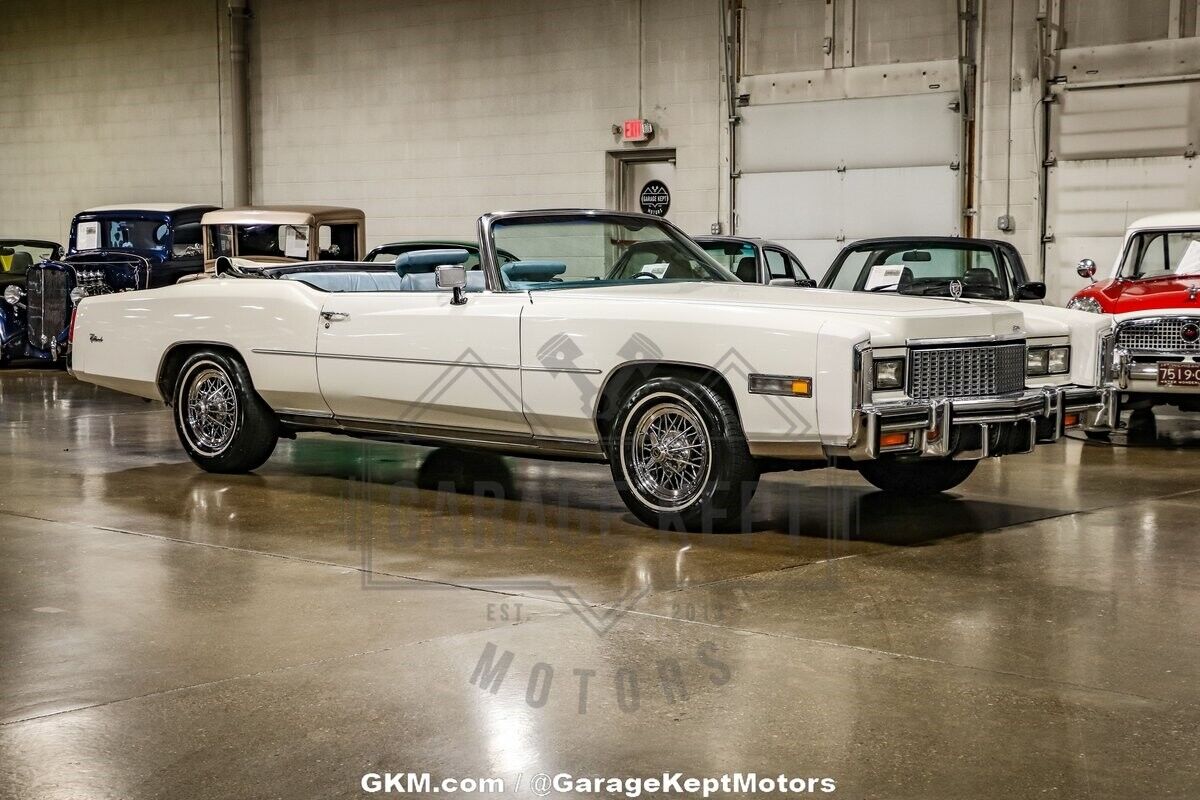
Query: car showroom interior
point(599, 399)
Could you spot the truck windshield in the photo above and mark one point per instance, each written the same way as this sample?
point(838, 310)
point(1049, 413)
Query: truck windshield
point(122, 234)
point(568, 252)
point(1162, 254)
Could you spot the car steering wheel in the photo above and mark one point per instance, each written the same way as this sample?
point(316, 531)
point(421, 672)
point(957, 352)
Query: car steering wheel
point(646, 275)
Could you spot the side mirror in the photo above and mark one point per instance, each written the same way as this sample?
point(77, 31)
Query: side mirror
point(453, 277)
point(1086, 269)
point(1034, 290)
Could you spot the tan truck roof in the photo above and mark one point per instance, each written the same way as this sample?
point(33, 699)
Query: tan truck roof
point(283, 215)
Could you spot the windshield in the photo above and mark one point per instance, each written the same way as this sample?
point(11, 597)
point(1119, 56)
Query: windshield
point(17, 257)
point(921, 270)
point(737, 257)
point(122, 234)
point(1161, 254)
point(555, 253)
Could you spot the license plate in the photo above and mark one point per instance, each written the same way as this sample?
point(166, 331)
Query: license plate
point(1172, 373)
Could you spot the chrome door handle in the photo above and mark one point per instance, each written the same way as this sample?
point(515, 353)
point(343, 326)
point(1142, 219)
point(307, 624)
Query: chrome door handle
point(334, 316)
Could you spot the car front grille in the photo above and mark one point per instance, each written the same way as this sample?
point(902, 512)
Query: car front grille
point(969, 371)
point(47, 301)
point(1159, 335)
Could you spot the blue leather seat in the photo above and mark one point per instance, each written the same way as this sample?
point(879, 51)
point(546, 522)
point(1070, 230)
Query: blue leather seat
point(380, 281)
point(526, 274)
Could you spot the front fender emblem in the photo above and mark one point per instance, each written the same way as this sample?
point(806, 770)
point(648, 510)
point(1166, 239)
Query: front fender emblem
point(94, 338)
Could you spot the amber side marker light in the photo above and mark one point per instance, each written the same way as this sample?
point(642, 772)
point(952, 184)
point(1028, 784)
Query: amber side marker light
point(893, 439)
point(787, 385)
point(1071, 420)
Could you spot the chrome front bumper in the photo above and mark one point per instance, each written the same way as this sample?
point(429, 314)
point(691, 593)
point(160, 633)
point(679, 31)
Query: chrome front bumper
point(1034, 416)
point(1141, 377)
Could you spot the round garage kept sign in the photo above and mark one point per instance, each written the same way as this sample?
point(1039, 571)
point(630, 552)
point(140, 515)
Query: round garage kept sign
point(655, 198)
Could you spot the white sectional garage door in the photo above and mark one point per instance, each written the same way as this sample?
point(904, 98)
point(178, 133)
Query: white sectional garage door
point(816, 175)
point(1120, 153)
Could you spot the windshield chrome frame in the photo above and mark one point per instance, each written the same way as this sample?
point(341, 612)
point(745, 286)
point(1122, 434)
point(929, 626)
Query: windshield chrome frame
point(487, 244)
point(1119, 274)
point(966, 243)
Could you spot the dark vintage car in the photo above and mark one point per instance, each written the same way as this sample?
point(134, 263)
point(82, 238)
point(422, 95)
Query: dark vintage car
point(17, 256)
point(982, 269)
point(111, 249)
point(757, 260)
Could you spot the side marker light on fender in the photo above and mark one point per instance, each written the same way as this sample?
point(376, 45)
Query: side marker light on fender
point(786, 385)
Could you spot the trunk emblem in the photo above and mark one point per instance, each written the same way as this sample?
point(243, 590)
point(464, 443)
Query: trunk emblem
point(1193, 291)
point(94, 338)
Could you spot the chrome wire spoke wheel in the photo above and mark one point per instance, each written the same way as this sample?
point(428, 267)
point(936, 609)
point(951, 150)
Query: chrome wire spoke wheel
point(210, 411)
point(670, 455)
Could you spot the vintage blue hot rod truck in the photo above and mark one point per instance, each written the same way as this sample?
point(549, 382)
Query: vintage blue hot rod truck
point(110, 249)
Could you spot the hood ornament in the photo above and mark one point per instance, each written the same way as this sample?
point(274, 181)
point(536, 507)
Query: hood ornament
point(1193, 290)
point(955, 290)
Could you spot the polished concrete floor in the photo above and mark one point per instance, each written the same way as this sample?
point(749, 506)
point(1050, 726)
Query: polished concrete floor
point(168, 633)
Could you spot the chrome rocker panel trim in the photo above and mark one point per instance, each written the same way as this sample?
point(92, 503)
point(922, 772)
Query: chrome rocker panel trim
point(435, 436)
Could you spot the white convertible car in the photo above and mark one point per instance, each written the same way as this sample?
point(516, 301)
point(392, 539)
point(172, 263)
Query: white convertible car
point(611, 337)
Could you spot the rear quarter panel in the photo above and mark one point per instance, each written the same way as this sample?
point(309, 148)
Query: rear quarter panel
point(121, 339)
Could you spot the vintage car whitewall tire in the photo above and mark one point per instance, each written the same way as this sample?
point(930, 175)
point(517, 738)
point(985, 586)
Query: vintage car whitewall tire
point(679, 457)
point(223, 425)
point(928, 476)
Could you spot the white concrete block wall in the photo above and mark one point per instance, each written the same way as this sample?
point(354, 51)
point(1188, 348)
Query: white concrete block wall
point(896, 31)
point(104, 102)
point(427, 114)
point(1010, 172)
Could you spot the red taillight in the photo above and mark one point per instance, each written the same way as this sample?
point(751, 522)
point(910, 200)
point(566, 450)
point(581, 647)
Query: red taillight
point(71, 327)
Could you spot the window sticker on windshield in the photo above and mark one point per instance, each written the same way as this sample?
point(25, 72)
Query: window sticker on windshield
point(87, 236)
point(1190, 263)
point(295, 241)
point(657, 270)
point(884, 275)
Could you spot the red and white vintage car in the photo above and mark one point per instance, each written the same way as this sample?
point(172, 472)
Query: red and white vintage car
point(1153, 293)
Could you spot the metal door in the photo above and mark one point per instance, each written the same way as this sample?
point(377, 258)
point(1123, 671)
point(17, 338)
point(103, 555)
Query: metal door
point(816, 175)
point(1117, 153)
point(648, 186)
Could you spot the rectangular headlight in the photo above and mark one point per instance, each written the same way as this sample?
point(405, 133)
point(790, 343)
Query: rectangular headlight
point(1059, 362)
point(889, 373)
point(1048, 360)
point(1037, 361)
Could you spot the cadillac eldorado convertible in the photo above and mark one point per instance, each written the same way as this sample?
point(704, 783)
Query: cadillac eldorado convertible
point(686, 381)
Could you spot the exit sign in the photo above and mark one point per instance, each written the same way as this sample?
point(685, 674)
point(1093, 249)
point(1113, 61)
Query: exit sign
point(637, 130)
